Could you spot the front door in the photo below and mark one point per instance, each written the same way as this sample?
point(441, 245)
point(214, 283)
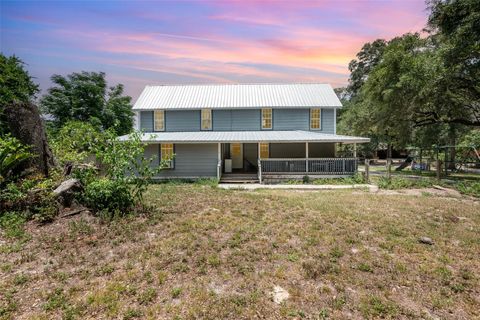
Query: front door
point(236, 151)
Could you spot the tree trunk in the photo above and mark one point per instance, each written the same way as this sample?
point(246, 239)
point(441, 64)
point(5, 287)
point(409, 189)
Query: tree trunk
point(25, 124)
point(389, 160)
point(452, 139)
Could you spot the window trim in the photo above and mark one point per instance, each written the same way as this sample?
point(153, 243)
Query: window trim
point(155, 112)
point(319, 119)
point(160, 151)
point(262, 118)
point(210, 127)
point(262, 144)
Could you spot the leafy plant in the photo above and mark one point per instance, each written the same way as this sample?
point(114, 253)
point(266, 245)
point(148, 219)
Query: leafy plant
point(470, 188)
point(124, 161)
point(109, 195)
point(12, 224)
point(75, 141)
point(394, 183)
point(12, 154)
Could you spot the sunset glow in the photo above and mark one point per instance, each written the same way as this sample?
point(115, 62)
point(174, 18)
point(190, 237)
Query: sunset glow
point(139, 43)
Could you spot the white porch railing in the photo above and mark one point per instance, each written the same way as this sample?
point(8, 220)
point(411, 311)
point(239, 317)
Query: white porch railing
point(324, 166)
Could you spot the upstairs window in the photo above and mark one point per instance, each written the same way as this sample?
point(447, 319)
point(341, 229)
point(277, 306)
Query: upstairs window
point(166, 154)
point(158, 120)
point(315, 119)
point(267, 118)
point(264, 150)
point(206, 119)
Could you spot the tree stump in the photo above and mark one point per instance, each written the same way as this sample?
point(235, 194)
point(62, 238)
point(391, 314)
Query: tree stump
point(26, 125)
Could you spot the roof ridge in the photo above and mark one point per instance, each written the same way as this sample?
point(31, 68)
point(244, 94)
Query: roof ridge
point(236, 84)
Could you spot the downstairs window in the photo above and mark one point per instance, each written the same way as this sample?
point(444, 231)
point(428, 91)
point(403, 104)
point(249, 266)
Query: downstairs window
point(166, 154)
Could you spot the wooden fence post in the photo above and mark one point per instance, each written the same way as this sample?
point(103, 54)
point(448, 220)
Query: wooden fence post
point(438, 166)
point(389, 168)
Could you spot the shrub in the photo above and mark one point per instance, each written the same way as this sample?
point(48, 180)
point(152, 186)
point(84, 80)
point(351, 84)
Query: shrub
point(125, 161)
point(31, 197)
point(108, 195)
point(403, 183)
point(12, 224)
point(12, 154)
point(75, 141)
point(470, 188)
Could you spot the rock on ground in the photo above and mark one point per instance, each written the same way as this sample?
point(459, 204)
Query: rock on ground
point(425, 240)
point(279, 294)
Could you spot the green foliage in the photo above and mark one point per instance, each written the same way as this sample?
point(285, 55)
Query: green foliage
point(12, 224)
point(455, 26)
point(204, 182)
point(31, 197)
point(75, 141)
point(86, 97)
point(11, 193)
point(414, 90)
point(12, 154)
point(471, 139)
point(176, 292)
point(367, 58)
point(470, 188)
point(395, 183)
point(16, 85)
point(125, 162)
point(108, 195)
point(376, 307)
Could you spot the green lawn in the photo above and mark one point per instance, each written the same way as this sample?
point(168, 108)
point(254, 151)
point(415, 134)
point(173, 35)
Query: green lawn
point(212, 254)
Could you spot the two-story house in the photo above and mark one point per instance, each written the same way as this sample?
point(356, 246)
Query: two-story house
point(267, 130)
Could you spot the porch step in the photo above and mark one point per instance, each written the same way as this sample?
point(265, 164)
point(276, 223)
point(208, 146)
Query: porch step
point(239, 178)
point(238, 181)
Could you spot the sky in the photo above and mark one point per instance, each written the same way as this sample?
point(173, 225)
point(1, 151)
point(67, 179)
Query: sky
point(140, 43)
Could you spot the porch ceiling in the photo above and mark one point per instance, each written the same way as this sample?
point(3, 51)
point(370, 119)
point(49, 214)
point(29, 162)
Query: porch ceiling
point(246, 136)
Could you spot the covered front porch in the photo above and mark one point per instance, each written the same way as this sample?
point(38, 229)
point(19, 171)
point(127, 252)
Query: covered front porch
point(284, 160)
point(264, 155)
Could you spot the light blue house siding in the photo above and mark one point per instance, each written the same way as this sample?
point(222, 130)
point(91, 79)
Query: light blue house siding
point(328, 121)
point(239, 120)
point(236, 120)
point(183, 120)
point(191, 160)
point(291, 119)
point(146, 121)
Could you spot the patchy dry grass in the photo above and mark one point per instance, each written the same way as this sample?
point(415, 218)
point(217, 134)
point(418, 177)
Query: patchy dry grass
point(210, 253)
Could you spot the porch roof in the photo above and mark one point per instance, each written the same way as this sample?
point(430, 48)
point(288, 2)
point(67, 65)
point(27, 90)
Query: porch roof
point(246, 137)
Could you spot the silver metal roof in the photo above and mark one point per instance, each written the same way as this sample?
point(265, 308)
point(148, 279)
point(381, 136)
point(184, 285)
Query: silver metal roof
point(226, 96)
point(246, 136)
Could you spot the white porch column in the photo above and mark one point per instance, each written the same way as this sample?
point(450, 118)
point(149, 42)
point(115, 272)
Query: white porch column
point(219, 163)
point(306, 156)
point(354, 150)
point(259, 164)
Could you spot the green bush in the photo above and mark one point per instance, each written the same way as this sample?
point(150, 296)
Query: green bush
point(394, 183)
point(107, 195)
point(12, 154)
point(76, 141)
point(470, 188)
point(12, 224)
point(86, 175)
